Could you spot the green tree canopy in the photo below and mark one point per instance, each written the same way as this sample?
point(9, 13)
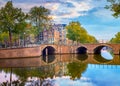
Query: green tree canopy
point(12, 20)
point(39, 17)
point(3, 36)
point(114, 6)
point(77, 33)
point(116, 39)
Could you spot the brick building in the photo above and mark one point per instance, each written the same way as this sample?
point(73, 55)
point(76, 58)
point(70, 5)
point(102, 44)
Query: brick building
point(56, 34)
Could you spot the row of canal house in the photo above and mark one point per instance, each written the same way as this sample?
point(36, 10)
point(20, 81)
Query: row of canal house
point(56, 34)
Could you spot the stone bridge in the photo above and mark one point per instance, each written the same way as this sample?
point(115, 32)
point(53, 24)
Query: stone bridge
point(48, 49)
point(79, 49)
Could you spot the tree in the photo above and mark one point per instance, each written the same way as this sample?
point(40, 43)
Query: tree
point(73, 30)
point(91, 39)
point(3, 36)
point(12, 20)
point(114, 7)
point(77, 33)
point(39, 17)
point(116, 39)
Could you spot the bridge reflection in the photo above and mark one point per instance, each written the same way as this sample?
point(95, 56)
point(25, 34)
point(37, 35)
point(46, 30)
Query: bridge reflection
point(55, 59)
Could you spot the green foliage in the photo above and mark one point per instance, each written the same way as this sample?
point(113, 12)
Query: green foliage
point(3, 36)
point(114, 7)
point(75, 69)
point(12, 20)
point(77, 33)
point(73, 31)
point(40, 72)
point(116, 39)
point(39, 17)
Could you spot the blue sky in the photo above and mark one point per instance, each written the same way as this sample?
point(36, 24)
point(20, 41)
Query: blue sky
point(92, 15)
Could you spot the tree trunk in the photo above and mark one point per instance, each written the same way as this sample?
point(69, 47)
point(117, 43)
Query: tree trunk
point(10, 37)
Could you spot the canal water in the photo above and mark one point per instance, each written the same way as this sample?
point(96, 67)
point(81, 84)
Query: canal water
point(61, 70)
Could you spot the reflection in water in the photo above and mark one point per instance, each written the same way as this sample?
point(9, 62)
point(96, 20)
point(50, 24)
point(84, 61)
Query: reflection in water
point(75, 69)
point(100, 59)
point(106, 53)
point(82, 57)
point(65, 70)
point(48, 58)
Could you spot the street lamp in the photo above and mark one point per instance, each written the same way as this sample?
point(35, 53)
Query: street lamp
point(24, 38)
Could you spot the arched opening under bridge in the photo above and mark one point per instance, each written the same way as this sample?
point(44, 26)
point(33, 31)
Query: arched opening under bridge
point(98, 49)
point(48, 54)
point(48, 51)
point(104, 52)
point(81, 50)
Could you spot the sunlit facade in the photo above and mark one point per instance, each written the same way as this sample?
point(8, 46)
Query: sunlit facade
point(54, 35)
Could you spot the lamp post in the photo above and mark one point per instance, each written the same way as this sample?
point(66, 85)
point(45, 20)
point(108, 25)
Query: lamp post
point(24, 38)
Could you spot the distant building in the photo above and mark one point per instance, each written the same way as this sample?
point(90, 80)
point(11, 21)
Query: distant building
point(56, 34)
point(103, 41)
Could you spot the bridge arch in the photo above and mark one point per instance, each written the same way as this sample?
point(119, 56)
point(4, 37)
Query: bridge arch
point(48, 50)
point(98, 48)
point(81, 50)
point(48, 54)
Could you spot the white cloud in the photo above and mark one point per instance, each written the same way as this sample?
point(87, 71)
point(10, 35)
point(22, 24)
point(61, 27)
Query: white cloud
point(2, 3)
point(59, 9)
point(79, 8)
point(52, 6)
point(25, 6)
point(66, 81)
point(62, 9)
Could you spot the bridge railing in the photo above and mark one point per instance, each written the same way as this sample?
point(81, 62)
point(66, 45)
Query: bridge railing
point(19, 45)
point(38, 43)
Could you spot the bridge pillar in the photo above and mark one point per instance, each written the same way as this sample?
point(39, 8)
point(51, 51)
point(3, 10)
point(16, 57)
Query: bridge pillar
point(46, 51)
point(90, 51)
point(116, 51)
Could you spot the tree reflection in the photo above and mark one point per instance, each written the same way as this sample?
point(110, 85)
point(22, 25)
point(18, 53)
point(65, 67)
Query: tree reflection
point(41, 73)
point(23, 74)
point(75, 69)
